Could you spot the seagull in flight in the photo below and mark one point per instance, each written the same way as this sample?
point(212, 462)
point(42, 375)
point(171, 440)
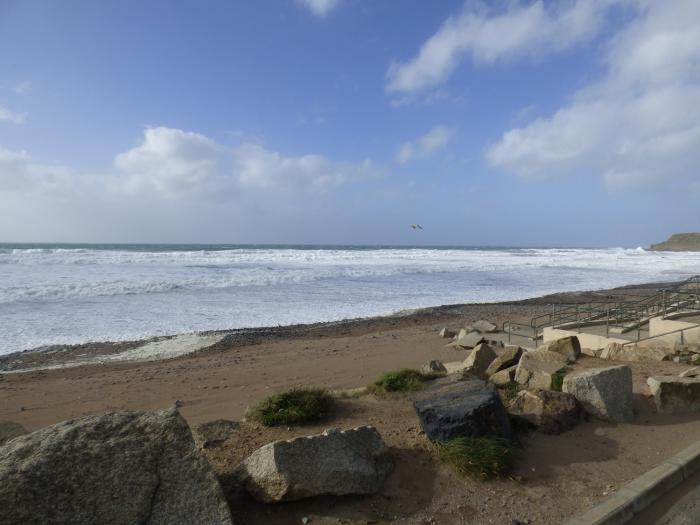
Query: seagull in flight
point(416, 226)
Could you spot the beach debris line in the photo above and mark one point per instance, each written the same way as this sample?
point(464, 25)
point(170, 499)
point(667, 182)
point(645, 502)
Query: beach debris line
point(336, 462)
point(123, 467)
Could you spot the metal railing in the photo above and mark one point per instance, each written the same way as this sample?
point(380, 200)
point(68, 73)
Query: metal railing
point(619, 316)
point(677, 331)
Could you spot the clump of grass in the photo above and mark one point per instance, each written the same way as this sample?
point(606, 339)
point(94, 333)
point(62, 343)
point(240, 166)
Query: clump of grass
point(558, 380)
point(509, 391)
point(406, 380)
point(294, 407)
point(475, 456)
point(696, 361)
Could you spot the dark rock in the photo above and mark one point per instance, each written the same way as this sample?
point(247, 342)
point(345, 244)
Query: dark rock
point(472, 407)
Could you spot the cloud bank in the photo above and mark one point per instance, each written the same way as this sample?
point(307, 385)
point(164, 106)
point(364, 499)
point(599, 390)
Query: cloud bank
point(172, 163)
point(637, 125)
point(487, 34)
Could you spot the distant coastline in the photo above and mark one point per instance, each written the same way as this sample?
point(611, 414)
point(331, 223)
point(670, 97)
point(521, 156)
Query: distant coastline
point(679, 242)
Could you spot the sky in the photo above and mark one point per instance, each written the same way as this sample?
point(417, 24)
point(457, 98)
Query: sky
point(503, 123)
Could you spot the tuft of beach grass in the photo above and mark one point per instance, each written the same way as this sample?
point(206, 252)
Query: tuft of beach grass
point(405, 380)
point(475, 456)
point(298, 406)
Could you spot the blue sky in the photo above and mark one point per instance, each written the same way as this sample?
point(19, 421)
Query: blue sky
point(345, 121)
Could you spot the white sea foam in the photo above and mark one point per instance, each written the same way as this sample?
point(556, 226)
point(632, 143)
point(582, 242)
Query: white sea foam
point(51, 295)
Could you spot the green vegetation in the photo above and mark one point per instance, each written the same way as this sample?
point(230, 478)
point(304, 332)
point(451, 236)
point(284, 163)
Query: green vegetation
point(406, 380)
point(510, 390)
point(558, 380)
point(294, 407)
point(476, 457)
point(697, 360)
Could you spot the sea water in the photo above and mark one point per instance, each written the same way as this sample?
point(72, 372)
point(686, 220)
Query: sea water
point(57, 294)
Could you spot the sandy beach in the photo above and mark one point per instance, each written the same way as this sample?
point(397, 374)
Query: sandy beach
point(241, 367)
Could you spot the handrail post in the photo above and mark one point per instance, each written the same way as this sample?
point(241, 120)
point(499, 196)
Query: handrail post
point(607, 323)
point(664, 304)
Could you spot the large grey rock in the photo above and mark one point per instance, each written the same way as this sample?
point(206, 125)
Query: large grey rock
point(507, 358)
point(633, 353)
point(484, 327)
point(120, 468)
point(450, 409)
point(569, 347)
point(335, 462)
point(433, 367)
point(551, 412)
point(479, 359)
point(10, 430)
point(605, 393)
point(468, 339)
point(538, 368)
point(673, 395)
point(503, 377)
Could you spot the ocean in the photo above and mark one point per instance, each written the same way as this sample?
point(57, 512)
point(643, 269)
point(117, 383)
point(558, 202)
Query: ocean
point(61, 294)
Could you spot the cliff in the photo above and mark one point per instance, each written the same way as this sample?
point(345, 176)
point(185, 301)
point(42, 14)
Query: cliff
point(679, 242)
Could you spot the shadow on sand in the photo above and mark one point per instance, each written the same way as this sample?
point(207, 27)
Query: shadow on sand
point(408, 490)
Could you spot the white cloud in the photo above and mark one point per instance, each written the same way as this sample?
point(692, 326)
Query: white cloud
point(638, 124)
point(174, 162)
point(171, 163)
point(8, 116)
point(23, 88)
point(488, 35)
point(320, 8)
point(437, 138)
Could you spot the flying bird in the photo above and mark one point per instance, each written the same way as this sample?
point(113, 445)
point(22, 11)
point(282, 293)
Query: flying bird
point(416, 226)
